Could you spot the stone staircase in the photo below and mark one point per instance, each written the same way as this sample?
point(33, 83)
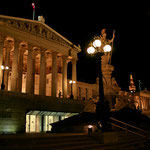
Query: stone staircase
point(68, 142)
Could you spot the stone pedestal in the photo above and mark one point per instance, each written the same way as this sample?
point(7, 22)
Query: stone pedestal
point(107, 82)
point(110, 85)
point(105, 138)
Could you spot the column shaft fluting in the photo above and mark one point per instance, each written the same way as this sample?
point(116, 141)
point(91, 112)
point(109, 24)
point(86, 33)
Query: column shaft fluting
point(1, 56)
point(30, 72)
point(14, 67)
point(6, 63)
point(74, 77)
point(20, 69)
point(64, 77)
point(42, 86)
point(54, 74)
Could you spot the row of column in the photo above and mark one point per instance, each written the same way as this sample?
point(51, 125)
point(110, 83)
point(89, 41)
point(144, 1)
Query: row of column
point(17, 70)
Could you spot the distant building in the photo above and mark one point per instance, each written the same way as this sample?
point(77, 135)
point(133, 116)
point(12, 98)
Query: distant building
point(132, 87)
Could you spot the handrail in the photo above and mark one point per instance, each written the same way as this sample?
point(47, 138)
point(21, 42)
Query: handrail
point(130, 125)
point(128, 130)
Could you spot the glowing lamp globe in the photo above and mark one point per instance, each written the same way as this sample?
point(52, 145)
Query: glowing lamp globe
point(7, 67)
point(97, 43)
point(107, 48)
point(91, 50)
point(2, 67)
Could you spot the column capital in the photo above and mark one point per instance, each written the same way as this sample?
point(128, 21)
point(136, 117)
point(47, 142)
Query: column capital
point(30, 47)
point(42, 51)
point(74, 59)
point(35, 52)
point(54, 54)
point(64, 57)
point(23, 48)
point(9, 45)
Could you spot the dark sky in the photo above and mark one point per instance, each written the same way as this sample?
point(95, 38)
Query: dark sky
point(80, 22)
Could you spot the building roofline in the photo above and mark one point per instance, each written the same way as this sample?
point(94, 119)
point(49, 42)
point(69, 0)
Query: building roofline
point(35, 21)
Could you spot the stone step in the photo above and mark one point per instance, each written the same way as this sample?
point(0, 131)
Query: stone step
point(69, 142)
point(50, 140)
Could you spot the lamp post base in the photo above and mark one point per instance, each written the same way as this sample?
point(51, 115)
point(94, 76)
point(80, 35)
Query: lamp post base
point(2, 86)
point(71, 96)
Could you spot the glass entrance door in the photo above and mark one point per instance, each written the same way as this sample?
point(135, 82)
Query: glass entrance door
point(30, 123)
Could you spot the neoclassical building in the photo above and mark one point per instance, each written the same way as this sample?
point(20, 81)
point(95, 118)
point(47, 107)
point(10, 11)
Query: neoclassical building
point(34, 59)
point(37, 57)
point(35, 90)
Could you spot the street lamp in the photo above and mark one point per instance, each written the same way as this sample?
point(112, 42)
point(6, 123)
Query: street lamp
point(100, 46)
point(3, 69)
point(71, 82)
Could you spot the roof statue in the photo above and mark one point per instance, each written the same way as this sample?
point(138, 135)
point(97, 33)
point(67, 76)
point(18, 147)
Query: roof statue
point(132, 87)
point(41, 19)
point(107, 57)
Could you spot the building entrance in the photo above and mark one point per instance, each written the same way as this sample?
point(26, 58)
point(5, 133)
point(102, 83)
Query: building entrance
point(40, 121)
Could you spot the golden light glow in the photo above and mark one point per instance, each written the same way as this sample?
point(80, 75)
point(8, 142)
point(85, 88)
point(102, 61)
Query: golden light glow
point(91, 50)
point(7, 67)
point(90, 126)
point(107, 48)
point(72, 82)
point(97, 43)
point(2, 67)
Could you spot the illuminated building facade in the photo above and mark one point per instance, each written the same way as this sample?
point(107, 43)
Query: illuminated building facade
point(36, 57)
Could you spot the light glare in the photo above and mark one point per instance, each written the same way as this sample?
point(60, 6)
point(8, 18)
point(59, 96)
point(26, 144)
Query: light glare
point(2, 67)
point(97, 43)
point(107, 48)
point(70, 81)
point(7, 67)
point(91, 50)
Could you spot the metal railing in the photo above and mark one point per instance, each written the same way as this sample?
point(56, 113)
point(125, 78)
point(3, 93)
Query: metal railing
point(126, 126)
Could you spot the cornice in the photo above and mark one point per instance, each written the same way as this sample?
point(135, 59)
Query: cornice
point(37, 28)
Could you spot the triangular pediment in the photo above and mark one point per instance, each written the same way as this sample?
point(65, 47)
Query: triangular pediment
point(37, 28)
point(145, 92)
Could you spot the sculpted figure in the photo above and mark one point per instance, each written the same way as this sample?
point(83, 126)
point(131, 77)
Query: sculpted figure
point(107, 56)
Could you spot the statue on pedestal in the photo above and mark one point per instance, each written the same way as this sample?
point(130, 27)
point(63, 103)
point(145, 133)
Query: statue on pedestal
point(111, 87)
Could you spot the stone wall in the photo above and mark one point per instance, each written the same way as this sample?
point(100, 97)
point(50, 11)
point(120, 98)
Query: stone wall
point(14, 106)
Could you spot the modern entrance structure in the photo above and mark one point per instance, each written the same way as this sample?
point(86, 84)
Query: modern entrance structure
point(37, 58)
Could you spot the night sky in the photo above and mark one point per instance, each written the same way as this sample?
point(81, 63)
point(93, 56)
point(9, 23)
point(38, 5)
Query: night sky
point(80, 22)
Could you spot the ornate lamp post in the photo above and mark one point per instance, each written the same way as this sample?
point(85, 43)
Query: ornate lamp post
point(100, 46)
point(71, 82)
point(3, 69)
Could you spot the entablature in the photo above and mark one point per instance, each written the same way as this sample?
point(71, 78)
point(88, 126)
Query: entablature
point(42, 34)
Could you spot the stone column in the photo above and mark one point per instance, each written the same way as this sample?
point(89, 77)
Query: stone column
point(2, 38)
point(14, 74)
point(54, 74)
point(64, 77)
point(20, 67)
point(42, 86)
point(6, 63)
point(74, 77)
point(30, 77)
